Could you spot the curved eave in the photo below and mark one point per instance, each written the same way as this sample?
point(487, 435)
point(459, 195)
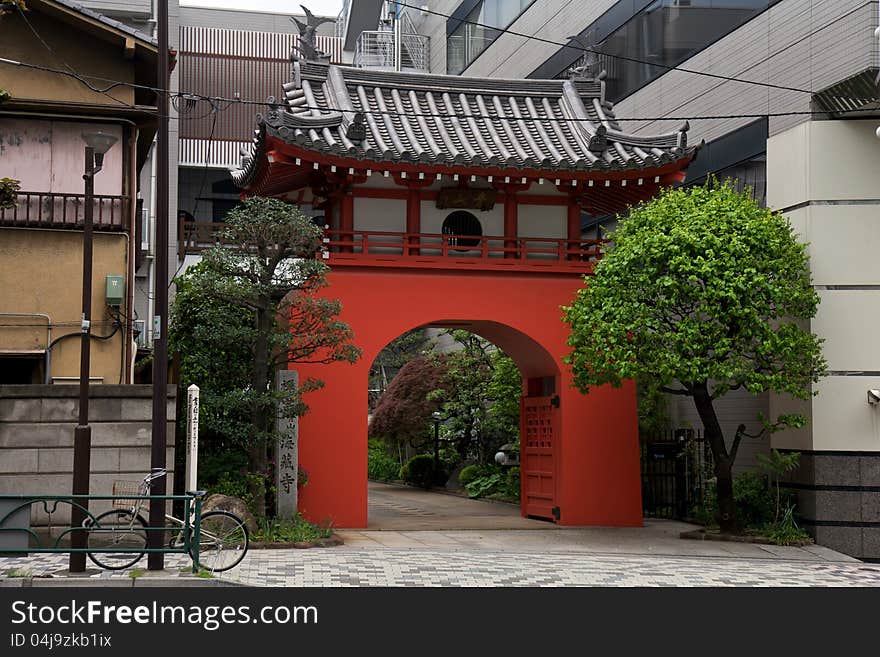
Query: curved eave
point(273, 155)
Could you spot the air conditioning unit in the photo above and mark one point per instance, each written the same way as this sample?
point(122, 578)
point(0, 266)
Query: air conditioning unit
point(139, 328)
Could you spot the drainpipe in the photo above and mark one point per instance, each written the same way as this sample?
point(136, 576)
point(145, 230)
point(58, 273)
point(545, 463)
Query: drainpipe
point(48, 335)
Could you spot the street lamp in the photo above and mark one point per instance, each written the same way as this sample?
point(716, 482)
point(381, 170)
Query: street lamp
point(438, 418)
point(97, 144)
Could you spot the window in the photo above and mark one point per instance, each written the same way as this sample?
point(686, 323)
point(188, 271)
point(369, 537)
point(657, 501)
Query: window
point(21, 368)
point(465, 41)
point(638, 40)
point(461, 223)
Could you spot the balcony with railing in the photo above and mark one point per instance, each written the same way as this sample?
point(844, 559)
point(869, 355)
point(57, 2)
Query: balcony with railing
point(364, 248)
point(56, 210)
point(375, 49)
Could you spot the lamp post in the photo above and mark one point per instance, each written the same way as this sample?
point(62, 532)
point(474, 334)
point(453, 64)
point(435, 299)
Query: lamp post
point(438, 418)
point(97, 144)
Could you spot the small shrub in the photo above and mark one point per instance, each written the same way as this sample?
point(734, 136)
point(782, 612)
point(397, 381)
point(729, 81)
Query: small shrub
point(485, 485)
point(755, 505)
point(786, 531)
point(9, 188)
point(380, 465)
point(469, 473)
point(512, 483)
point(277, 530)
point(419, 471)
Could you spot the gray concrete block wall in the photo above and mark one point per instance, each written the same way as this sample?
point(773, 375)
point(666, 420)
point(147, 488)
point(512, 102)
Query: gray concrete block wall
point(839, 500)
point(36, 441)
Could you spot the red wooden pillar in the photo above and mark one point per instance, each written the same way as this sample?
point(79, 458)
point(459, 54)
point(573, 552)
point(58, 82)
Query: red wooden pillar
point(346, 220)
point(413, 219)
point(511, 226)
point(574, 227)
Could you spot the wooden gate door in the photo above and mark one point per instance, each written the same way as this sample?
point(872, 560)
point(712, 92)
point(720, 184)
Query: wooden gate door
point(540, 421)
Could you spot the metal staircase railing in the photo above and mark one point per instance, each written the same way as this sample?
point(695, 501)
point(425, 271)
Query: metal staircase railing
point(375, 48)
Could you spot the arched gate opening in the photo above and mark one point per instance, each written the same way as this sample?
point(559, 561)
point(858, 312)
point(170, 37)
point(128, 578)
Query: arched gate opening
point(580, 462)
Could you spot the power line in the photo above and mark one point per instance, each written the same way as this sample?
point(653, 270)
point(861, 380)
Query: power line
point(490, 117)
point(64, 62)
point(604, 54)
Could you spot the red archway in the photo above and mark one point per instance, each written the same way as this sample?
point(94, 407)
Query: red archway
point(596, 478)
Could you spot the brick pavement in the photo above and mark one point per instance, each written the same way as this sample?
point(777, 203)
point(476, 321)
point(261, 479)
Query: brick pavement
point(432, 567)
point(451, 541)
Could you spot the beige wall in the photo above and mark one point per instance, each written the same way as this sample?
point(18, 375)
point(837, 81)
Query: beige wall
point(41, 272)
point(824, 176)
point(48, 156)
point(390, 215)
point(81, 51)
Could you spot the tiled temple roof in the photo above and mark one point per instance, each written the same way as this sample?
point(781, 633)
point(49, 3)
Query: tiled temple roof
point(385, 116)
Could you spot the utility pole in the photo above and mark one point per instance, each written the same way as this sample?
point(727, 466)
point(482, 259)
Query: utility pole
point(155, 538)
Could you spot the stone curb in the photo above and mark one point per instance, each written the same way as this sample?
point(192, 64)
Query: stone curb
point(704, 535)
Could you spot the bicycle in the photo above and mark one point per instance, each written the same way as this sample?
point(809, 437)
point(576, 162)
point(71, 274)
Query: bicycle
point(223, 536)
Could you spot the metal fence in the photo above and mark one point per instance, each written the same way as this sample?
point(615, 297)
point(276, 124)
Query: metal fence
point(676, 468)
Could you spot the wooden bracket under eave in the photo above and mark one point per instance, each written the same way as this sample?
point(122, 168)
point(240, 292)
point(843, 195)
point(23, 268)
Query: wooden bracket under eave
point(129, 47)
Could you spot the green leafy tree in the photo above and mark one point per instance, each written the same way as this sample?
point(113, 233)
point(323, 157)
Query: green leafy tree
point(702, 292)
point(256, 295)
point(481, 397)
point(504, 391)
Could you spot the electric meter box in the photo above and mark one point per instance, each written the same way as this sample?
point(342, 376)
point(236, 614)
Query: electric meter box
point(115, 290)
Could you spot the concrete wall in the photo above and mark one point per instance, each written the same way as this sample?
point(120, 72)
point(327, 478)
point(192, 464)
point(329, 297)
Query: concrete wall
point(36, 440)
point(41, 272)
point(48, 156)
point(83, 53)
point(823, 176)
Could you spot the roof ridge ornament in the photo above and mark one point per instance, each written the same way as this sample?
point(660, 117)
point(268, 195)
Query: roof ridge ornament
point(599, 141)
point(307, 49)
point(357, 129)
point(588, 66)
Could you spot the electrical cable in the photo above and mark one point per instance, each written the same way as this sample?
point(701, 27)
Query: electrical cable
point(623, 57)
point(76, 75)
point(488, 117)
point(232, 101)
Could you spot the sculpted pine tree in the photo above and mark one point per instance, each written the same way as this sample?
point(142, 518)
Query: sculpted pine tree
point(702, 292)
point(258, 291)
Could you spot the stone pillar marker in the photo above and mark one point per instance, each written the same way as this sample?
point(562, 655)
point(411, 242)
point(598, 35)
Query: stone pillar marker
point(192, 438)
point(286, 452)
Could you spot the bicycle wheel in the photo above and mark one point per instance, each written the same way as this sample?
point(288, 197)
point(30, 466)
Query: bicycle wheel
point(117, 528)
point(223, 541)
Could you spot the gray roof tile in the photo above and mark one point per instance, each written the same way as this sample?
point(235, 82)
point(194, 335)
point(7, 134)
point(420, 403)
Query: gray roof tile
point(552, 125)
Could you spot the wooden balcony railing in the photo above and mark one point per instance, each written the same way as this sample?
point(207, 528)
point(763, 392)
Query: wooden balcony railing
point(430, 250)
point(54, 210)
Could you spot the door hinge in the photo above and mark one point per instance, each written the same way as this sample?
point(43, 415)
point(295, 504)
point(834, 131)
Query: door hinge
point(554, 401)
point(556, 512)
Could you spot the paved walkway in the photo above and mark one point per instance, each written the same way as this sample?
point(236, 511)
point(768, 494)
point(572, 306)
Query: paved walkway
point(510, 551)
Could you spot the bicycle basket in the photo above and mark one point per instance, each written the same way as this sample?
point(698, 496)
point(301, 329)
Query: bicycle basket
point(126, 488)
